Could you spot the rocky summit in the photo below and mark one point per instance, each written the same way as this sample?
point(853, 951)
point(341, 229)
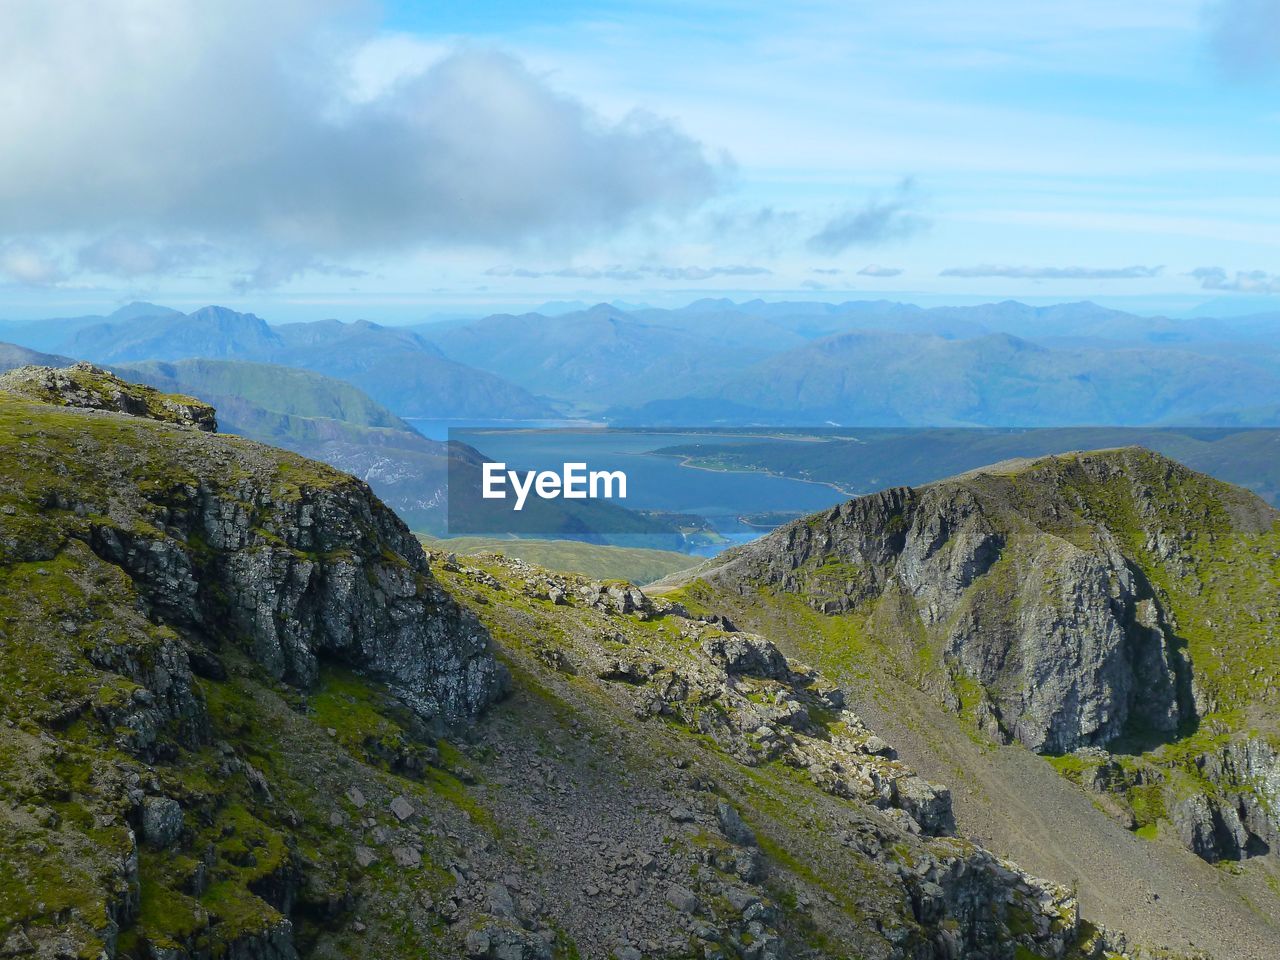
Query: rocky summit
point(243, 715)
point(91, 388)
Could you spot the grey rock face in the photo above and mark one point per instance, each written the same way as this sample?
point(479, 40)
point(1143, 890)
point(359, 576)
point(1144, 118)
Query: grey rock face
point(745, 654)
point(505, 941)
point(402, 809)
point(682, 899)
point(167, 700)
point(328, 572)
point(733, 827)
point(1066, 638)
point(1209, 829)
point(1240, 817)
point(161, 821)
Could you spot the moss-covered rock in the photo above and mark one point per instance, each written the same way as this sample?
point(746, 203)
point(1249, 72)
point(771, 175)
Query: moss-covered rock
point(92, 388)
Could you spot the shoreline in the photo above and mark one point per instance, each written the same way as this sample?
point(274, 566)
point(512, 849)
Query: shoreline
point(687, 463)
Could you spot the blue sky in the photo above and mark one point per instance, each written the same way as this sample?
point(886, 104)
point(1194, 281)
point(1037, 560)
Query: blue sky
point(393, 161)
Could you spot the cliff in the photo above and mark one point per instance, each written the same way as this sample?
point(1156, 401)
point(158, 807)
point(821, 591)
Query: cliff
point(140, 557)
point(1111, 599)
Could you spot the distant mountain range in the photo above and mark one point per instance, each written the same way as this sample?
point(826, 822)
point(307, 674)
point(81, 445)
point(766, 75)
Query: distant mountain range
point(878, 378)
point(883, 363)
point(725, 363)
point(13, 356)
point(393, 365)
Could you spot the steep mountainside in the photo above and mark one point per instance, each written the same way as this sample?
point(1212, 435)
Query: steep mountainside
point(1114, 604)
point(225, 675)
point(135, 554)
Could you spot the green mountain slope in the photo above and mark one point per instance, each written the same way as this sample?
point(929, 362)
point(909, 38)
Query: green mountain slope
point(1113, 609)
point(227, 672)
point(604, 561)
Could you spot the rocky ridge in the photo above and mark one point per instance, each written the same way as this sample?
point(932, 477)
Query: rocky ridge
point(138, 556)
point(1077, 603)
point(91, 388)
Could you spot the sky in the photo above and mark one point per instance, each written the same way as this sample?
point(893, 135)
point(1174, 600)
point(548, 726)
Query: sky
point(403, 160)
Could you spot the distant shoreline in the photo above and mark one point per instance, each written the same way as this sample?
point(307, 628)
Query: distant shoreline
point(687, 462)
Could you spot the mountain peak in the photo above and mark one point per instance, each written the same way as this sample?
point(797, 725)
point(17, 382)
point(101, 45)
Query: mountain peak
point(1011, 566)
point(140, 308)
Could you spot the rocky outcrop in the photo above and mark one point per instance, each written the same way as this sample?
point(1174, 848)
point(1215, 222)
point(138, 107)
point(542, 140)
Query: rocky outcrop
point(91, 388)
point(226, 541)
point(323, 572)
point(148, 565)
point(1030, 579)
point(1234, 811)
point(743, 693)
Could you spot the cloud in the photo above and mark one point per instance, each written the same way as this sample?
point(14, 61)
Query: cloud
point(765, 219)
point(828, 271)
point(875, 270)
point(1244, 36)
point(700, 273)
point(879, 220)
point(233, 123)
point(1247, 281)
point(29, 264)
point(123, 255)
point(278, 269)
point(813, 284)
point(619, 272)
point(1053, 273)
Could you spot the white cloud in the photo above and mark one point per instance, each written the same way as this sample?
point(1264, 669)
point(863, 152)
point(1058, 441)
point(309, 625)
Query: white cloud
point(1053, 273)
point(1246, 281)
point(877, 221)
point(875, 270)
point(124, 255)
point(620, 272)
point(29, 264)
point(237, 123)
